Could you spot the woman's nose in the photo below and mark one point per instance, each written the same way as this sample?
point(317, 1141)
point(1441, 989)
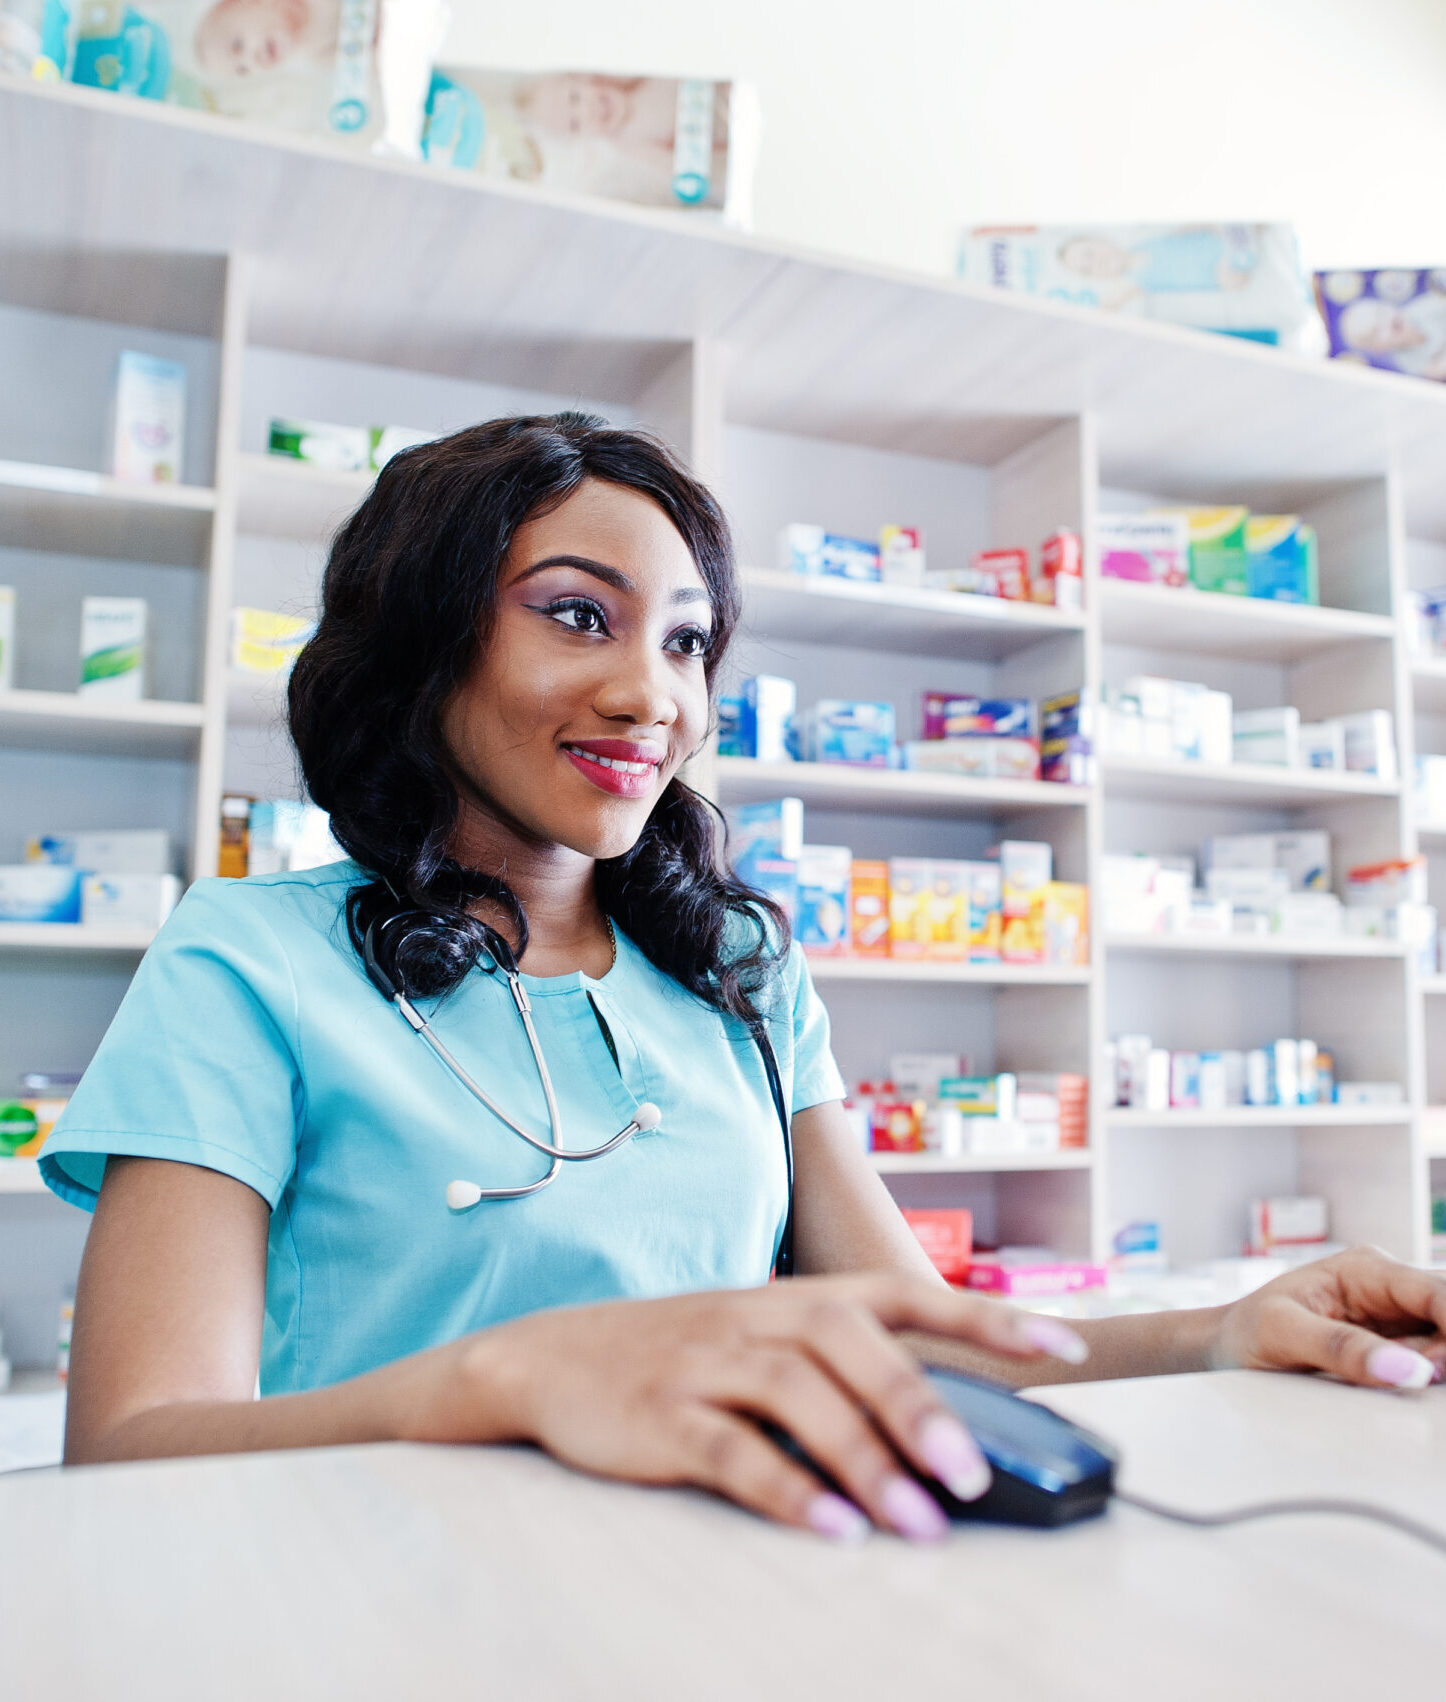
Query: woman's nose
point(638, 688)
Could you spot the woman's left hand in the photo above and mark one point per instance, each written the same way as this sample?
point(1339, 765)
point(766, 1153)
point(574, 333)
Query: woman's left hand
point(1360, 1315)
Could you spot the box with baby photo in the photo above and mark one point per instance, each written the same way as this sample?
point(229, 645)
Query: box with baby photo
point(1394, 318)
point(656, 141)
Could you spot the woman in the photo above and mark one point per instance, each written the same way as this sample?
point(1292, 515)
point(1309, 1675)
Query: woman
point(520, 630)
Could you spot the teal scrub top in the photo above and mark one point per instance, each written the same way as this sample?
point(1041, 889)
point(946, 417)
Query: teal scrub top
point(251, 1042)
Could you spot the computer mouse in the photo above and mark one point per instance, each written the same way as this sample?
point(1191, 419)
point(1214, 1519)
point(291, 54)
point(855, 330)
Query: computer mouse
point(1047, 1471)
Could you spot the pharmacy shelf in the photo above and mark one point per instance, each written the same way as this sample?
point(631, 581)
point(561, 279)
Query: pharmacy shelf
point(74, 937)
point(1156, 780)
point(1428, 684)
point(872, 970)
point(1433, 986)
point(895, 617)
point(65, 721)
point(942, 1164)
point(1210, 623)
point(1252, 945)
point(20, 1176)
point(1431, 832)
point(1262, 1117)
point(835, 786)
point(284, 498)
point(73, 512)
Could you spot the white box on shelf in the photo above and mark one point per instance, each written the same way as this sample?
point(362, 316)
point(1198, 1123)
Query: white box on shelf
point(1368, 1093)
point(128, 901)
point(1217, 728)
point(127, 851)
point(1309, 915)
point(148, 419)
point(1297, 1221)
point(1268, 736)
point(1306, 859)
point(1285, 1072)
point(1157, 1079)
point(1322, 745)
point(113, 648)
point(1370, 743)
point(1257, 1076)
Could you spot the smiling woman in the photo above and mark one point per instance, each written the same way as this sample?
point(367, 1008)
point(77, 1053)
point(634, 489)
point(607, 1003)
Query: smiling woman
point(520, 634)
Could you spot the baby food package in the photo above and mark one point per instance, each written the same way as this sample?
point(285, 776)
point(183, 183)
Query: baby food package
point(1244, 279)
point(1393, 318)
point(657, 141)
point(320, 67)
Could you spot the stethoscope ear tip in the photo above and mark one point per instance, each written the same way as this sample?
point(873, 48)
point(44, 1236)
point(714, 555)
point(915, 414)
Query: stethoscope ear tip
point(647, 1116)
point(461, 1195)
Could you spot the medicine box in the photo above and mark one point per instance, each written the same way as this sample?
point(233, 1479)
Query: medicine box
point(1295, 1221)
point(869, 908)
point(1322, 745)
point(39, 892)
point(910, 879)
point(812, 550)
point(264, 641)
point(949, 911)
point(7, 637)
point(1008, 570)
point(985, 911)
point(1066, 924)
point(336, 448)
point(1370, 743)
point(128, 901)
point(1268, 736)
point(148, 419)
point(1150, 549)
point(777, 878)
point(980, 757)
point(844, 731)
point(1025, 866)
point(950, 715)
point(946, 1233)
point(127, 851)
point(113, 648)
point(1218, 558)
point(772, 828)
point(918, 1074)
point(901, 555)
point(769, 702)
point(823, 899)
point(1281, 558)
point(1061, 568)
point(387, 441)
point(731, 726)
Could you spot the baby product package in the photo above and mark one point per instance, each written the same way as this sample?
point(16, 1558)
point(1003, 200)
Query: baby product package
point(656, 141)
point(148, 419)
point(1393, 318)
point(1244, 279)
point(37, 39)
point(354, 69)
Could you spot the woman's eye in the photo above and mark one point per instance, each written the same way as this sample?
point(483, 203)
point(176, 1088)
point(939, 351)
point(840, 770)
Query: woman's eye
point(578, 615)
point(692, 641)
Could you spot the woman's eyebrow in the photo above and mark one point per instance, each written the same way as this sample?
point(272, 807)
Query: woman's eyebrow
point(613, 576)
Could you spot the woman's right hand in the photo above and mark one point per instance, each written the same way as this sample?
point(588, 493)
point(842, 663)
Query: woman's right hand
point(672, 1392)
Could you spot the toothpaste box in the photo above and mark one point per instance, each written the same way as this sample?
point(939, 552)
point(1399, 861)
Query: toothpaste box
point(1281, 559)
point(7, 637)
point(840, 730)
point(813, 551)
point(127, 851)
point(113, 648)
point(148, 419)
point(1061, 572)
point(949, 715)
point(869, 908)
point(910, 882)
point(901, 555)
point(769, 703)
point(39, 892)
point(128, 901)
point(1150, 549)
point(823, 899)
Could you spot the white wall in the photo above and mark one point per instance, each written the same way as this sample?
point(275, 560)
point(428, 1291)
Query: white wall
point(890, 126)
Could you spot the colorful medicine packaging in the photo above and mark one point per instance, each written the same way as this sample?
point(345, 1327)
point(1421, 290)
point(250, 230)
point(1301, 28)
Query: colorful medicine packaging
point(869, 908)
point(335, 448)
point(822, 928)
point(1281, 559)
point(946, 1233)
point(39, 892)
point(1060, 580)
point(128, 901)
point(1150, 549)
point(113, 648)
point(901, 555)
point(910, 879)
point(768, 706)
point(841, 730)
point(127, 851)
point(1007, 571)
point(148, 419)
point(266, 642)
point(772, 828)
point(1218, 555)
point(813, 551)
point(951, 715)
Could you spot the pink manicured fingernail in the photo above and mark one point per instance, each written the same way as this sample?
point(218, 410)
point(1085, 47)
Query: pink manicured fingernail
point(1056, 1339)
point(1399, 1366)
point(833, 1517)
point(911, 1511)
point(951, 1453)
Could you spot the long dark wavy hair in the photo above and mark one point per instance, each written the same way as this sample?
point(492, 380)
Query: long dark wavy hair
point(408, 603)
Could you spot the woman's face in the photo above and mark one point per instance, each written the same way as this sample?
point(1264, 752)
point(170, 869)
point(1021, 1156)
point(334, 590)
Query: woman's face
point(590, 690)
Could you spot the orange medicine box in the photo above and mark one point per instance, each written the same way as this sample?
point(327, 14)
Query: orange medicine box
point(869, 921)
point(1009, 570)
point(947, 1236)
point(910, 879)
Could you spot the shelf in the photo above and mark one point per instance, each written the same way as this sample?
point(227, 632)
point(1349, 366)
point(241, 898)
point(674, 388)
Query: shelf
point(1433, 986)
point(255, 700)
point(883, 969)
point(1428, 684)
point(1156, 781)
point(284, 498)
point(1262, 1117)
point(65, 721)
point(1243, 945)
point(73, 512)
point(895, 617)
point(1431, 832)
point(74, 937)
point(1210, 623)
point(940, 1164)
point(897, 791)
point(21, 1176)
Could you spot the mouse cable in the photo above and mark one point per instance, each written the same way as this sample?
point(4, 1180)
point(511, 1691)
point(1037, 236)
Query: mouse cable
point(1401, 1522)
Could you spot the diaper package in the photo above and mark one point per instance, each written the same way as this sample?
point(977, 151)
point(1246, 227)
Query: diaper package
point(354, 69)
point(657, 141)
point(1394, 318)
point(1244, 279)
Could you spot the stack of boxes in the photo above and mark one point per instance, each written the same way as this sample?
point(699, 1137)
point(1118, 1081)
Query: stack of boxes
point(1228, 550)
point(120, 879)
point(1285, 1073)
point(898, 559)
point(931, 1104)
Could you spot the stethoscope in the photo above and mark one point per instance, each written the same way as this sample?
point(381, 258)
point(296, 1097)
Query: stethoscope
point(462, 1195)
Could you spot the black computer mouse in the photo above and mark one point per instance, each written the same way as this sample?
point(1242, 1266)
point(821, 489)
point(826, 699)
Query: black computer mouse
point(1047, 1471)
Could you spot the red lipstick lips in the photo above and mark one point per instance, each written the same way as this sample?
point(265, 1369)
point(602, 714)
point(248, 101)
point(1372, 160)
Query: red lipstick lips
point(626, 768)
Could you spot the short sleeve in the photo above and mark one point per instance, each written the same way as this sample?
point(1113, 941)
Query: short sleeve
point(201, 1064)
point(816, 1077)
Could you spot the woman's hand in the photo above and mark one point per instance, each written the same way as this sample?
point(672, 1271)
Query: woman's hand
point(1361, 1316)
point(672, 1391)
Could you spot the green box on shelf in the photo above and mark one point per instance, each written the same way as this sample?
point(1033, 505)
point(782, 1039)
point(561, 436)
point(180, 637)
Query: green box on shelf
point(1218, 558)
